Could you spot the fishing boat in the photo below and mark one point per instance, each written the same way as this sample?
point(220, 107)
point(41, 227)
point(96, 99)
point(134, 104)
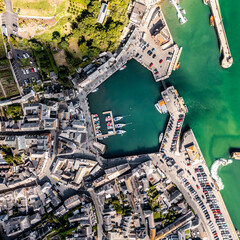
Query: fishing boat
point(120, 132)
point(212, 21)
point(123, 67)
point(235, 155)
point(160, 138)
point(95, 90)
point(205, 2)
point(118, 118)
point(120, 125)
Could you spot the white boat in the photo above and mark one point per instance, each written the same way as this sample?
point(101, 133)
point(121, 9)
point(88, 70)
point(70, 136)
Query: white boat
point(123, 67)
point(160, 138)
point(110, 132)
point(120, 132)
point(100, 138)
point(95, 90)
point(161, 106)
point(108, 118)
point(205, 2)
point(120, 125)
point(117, 118)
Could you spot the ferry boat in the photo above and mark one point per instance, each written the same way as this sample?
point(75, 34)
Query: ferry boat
point(161, 106)
point(117, 118)
point(212, 21)
point(95, 90)
point(235, 155)
point(120, 132)
point(120, 125)
point(123, 67)
point(205, 2)
point(178, 65)
point(160, 138)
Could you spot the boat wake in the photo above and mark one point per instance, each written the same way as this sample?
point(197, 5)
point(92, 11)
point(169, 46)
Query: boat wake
point(214, 171)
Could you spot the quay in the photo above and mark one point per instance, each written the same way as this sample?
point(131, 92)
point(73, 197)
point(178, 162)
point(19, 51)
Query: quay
point(227, 59)
point(112, 121)
point(183, 155)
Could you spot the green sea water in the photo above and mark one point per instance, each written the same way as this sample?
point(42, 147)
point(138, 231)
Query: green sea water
point(212, 95)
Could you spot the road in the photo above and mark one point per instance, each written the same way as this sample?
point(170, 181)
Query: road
point(99, 213)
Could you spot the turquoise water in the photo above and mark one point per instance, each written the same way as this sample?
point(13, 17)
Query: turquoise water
point(131, 93)
point(212, 94)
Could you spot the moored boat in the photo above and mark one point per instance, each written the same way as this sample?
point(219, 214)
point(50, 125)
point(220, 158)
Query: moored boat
point(123, 67)
point(212, 21)
point(160, 138)
point(161, 106)
point(117, 118)
point(205, 2)
point(95, 90)
point(120, 125)
point(120, 132)
point(178, 65)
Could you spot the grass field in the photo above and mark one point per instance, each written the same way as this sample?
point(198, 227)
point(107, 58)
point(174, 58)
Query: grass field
point(45, 8)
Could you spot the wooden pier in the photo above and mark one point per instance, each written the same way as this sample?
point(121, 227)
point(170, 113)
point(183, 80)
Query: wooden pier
point(112, 122)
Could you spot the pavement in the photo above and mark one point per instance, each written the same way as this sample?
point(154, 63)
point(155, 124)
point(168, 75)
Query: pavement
point(9, 18)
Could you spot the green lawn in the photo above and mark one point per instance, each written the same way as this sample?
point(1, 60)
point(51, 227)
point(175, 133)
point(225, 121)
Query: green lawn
point(39, 7)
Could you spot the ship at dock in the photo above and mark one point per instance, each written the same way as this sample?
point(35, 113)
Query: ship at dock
point(161, 106)
point(235, 155)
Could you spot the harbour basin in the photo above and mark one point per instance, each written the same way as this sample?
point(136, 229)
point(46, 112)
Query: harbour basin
point(131, 93)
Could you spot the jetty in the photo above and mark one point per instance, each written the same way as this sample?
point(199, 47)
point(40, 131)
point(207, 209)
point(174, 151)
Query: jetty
point(112, 122)
point(227, 59)
point(181, 18)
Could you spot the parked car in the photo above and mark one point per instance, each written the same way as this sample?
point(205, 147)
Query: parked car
point(154, 55)
point(150, 65)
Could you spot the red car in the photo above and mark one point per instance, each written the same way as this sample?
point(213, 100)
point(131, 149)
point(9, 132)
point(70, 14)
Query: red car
point(160, 61)
point(151, 64)
point(198, 187)
point(32, 70)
